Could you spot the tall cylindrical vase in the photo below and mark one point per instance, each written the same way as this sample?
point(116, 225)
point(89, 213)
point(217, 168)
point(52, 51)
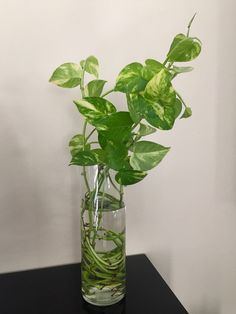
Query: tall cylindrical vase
point(102, 237)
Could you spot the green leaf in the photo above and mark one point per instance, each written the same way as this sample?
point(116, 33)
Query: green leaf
point(94, 108)
point(115, 127)
point(128, 177)
point(130, 79)
point(136, 105)
point(187, 113)
point(146, 155)
point(102, 140)
point(145, 130)
point(179, 70)
point(92, 66)
point(161, 117)
point(67, 75)
point(160, 88)
point(184, 49)
point(85, 158)
point(100, 155)
point(177, 39)
point(151, 68)
point(116, 155)
point(76, 144)
point(177, 107)
point(94, 88)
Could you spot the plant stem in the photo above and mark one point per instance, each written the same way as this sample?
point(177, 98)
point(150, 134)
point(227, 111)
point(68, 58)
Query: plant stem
point(166, 60)
point(190, 23)
point(108, 92)
point(84, 127)
point(181, 99)
point(86, 139)
point(112, 183)
point(121, 194)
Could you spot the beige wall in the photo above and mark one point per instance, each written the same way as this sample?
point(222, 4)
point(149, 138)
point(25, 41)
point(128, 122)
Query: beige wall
point(183, 215)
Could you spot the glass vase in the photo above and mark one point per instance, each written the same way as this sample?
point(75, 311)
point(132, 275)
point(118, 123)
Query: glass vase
point(102, 237)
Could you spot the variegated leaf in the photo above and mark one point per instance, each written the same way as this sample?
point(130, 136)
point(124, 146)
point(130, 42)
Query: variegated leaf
point(151, 68)
point(146, 155)
point(161, 117)
point(94, 88)
point(160, 88)
point(128, 177)
point(94, 108)
point(67, 75)
point(77, 144)
point(92, 66)
point(130, 79)
point(85, 158)
point(184, 49)
point(145, 130)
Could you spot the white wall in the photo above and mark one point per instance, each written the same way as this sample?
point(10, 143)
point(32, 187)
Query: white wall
point(186, 207)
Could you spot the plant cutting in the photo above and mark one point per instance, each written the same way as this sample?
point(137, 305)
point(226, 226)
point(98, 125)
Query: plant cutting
point(112, 153)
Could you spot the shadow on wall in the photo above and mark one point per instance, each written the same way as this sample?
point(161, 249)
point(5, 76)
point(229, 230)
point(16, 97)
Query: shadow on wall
point(207, 307)
point(21, 205)
point(226, 126)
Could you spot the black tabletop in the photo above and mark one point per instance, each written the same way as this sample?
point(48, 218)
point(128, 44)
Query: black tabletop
point(56, 290)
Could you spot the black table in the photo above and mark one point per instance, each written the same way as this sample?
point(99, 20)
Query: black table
point(56, 290)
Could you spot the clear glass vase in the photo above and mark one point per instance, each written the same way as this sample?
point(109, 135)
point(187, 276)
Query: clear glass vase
point(102, 237)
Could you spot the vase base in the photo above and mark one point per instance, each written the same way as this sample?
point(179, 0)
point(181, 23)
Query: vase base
point(103, 298)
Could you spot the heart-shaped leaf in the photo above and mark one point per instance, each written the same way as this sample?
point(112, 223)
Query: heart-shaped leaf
point(145, 130)
point(77, 144)
point(128, 177)
point(151, 68)
point(94, 88)
point(85, 158)
point(160, 88)
point(67, 75)
point(130, 79)
point(184, 49)
point(146, 155)
point(91, 65)
point(94, 108)
point(161, 117)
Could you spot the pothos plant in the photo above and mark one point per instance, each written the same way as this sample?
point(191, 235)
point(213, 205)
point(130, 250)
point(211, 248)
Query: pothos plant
point(152, 103)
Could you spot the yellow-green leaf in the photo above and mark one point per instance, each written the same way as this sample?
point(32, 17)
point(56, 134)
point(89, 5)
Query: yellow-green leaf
point(94, 88)
point(77, 144)
point(146, 155)
point(92, 66)
point(160, 88)
point(67, 75)
point(184, 49)
point(94, 108)
point(128, 177)
point(130, 79)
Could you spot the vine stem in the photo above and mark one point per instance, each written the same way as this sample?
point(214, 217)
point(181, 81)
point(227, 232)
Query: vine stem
point(190, 23)
point(108, 92)
point(84, 127)
point(181, 99)
point(86, 139)
point(121, 194)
